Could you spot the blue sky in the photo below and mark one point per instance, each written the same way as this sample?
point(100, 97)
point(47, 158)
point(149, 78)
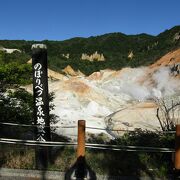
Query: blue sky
point(63, 19)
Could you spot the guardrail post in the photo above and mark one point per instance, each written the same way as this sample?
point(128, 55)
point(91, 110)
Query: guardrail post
point(81, 138)
point(81, 169)
point(177, 150)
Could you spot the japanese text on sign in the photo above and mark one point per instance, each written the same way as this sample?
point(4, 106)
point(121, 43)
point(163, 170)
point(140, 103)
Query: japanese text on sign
point(40, 121)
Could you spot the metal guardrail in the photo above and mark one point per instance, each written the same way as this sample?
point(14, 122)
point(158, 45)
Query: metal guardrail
point(105, 129)
point(87, 145)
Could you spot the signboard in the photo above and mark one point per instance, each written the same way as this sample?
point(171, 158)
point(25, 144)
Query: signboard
point(40, 90)
point(41, 102)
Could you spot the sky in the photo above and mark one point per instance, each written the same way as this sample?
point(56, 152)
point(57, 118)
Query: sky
point(64, 19)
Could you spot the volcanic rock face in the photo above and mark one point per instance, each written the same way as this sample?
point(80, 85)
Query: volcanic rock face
point(119, 100)
point(93, 57)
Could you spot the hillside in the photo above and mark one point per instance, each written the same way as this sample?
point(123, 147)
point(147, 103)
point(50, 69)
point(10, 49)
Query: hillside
point(109, 99)
point(115, 50)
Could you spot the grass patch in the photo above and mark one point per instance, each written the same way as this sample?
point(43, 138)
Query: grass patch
point(112, 163)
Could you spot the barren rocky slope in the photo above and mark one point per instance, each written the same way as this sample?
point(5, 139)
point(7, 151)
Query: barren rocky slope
point(108, 99)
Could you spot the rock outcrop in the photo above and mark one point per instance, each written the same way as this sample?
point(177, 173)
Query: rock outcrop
point(131, 55)
point(66, 55)
point(177, 36)
point(69, 71)
point(9, 51)
point(93, 57)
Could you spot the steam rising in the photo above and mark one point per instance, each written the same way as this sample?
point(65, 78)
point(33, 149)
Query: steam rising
point(160, 83)
point(107, 95)
point(165, 82)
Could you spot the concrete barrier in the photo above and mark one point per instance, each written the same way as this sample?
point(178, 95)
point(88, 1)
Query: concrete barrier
point(23, 174)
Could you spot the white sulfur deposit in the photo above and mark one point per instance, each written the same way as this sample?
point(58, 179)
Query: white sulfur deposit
point(94, 100)
point(123, 99)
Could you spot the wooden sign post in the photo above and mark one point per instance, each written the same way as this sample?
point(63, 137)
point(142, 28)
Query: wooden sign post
point(41, 102)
